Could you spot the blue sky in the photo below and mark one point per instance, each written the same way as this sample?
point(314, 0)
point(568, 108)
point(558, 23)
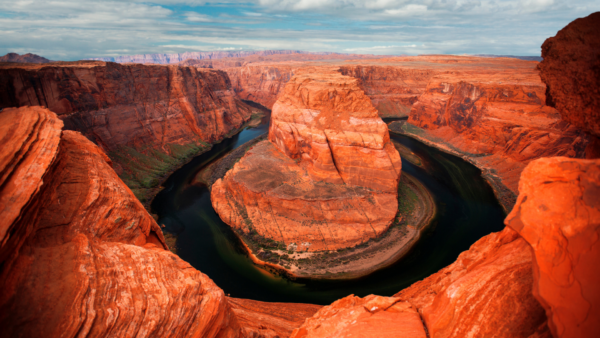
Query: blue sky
point(77, 29)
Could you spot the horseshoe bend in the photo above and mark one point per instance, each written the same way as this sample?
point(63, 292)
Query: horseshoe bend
point(294, 194)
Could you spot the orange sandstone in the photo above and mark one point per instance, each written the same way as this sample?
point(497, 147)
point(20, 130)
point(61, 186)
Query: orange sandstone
point(80, 256)
point(372, 316)
point(327, 178)
point(558, 214)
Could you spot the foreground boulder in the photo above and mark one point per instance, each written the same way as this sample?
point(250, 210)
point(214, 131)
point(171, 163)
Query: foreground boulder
point(327, 177)
point(558, 214)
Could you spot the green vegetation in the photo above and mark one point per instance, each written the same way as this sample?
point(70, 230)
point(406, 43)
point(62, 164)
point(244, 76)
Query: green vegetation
point(143, 168)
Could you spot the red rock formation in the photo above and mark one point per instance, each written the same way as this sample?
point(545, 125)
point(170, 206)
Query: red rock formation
point(327, 181)
point(372, 316)
point(261, 83)
point(80, 256)
point(558, 214)
point(498, 120)
point(25, 58)
point(83, 257)
point(571, 70)
point(129, 105)
point(392, 89)
point(262, 319)
point(486, 292)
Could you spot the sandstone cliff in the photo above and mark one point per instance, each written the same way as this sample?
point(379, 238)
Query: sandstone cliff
point(571, 70)
point(496, 120)
point(328, 177)
point(558, 214)
point(146, 118)
point(81, 257)
point(392, 90)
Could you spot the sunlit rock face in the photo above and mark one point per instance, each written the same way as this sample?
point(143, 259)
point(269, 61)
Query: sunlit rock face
point(327, 177)
point(371, 316)
point(80, 256)
point(558, 214)
point(486, 292)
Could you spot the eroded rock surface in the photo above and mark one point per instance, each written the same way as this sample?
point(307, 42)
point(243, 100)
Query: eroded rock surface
point(499, 120)
point(486, 292)
point(327, 178)
point(129, 105)
point(558, 214)
point(571, 70)
point(372, 316)
point(80, 256)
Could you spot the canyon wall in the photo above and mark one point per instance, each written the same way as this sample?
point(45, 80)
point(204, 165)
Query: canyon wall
point(571, 70)
point(80, 256)
point(392, 90)
point(328, 175)
point(496, 120)
point(148, 119)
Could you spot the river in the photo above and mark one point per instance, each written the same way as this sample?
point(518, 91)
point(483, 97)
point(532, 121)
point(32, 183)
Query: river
point(467, 211)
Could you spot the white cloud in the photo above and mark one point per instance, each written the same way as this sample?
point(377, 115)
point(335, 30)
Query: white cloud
point(73, 29)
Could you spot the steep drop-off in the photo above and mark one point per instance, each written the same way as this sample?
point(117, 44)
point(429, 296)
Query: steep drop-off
point(81, 257)
point(327, 177)
point(146, 118)
point(498, 121)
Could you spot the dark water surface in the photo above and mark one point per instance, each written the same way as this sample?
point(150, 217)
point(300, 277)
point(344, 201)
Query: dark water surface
point(467, 211)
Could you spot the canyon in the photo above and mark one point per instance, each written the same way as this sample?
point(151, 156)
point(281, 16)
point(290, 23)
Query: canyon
point(148, 119)
point(81, 256)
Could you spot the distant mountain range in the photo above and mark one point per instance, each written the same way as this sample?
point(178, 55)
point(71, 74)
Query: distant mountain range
point(25, 58)
point(179, 57)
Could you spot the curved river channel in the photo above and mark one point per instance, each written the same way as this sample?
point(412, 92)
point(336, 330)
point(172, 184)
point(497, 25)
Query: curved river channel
point(467, 211)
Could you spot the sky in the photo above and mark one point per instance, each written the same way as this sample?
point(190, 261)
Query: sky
point(78, 29)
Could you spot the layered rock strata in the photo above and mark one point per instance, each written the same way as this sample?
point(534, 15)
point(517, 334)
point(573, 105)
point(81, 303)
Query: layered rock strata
point(558, 214)
point(80, 256)
point(148, 119)
point(392, 90)
point(499, 122)
point(129, 105)
point(486, 292)
point(327, 177)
